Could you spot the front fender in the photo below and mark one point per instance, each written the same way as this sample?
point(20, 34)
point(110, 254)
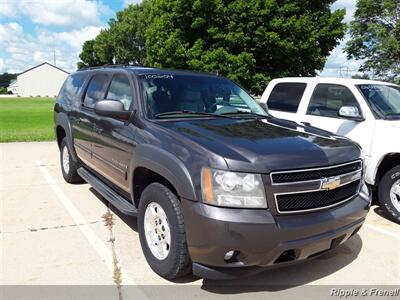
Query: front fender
point(165, 164)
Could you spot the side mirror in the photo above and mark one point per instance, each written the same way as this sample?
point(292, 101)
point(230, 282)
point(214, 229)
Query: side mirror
point(112, 109)
point(264, 106)
point(351, 113)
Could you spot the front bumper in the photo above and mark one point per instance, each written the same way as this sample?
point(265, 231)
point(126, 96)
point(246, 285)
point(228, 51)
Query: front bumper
point(262, 239)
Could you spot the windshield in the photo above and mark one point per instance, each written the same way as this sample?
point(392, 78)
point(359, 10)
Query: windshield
point(196, 96)
point(383, 99)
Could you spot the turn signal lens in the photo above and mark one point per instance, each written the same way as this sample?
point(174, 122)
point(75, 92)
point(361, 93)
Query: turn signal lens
point(206, 183)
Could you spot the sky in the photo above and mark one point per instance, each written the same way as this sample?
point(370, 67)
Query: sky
point(35, 31)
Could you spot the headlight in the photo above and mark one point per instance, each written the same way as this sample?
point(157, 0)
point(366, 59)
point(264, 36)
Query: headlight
point(232, 189)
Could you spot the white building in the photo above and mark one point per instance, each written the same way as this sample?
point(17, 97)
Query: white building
point(13, 87)
point(42, 80)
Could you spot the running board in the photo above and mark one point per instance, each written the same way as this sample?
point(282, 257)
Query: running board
point(109, 194)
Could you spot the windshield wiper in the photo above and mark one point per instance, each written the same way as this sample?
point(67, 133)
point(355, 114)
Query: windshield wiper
point(245, 113)
point(189, 112)
point(392, 116)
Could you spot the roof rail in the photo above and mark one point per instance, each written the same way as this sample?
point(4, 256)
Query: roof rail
point(111, 66)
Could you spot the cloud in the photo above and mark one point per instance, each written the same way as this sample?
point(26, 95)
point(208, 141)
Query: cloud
point(337, 64)
point(24, 50)
point(7, 9)
point(349, 5)
point(128, 2)
point(1, 66)
point(63, 13)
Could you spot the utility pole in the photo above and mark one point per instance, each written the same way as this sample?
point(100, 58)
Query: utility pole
point(54, 57)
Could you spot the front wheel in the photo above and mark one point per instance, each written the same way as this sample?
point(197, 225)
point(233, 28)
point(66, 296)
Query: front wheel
point(389, 193)
point(162, 232)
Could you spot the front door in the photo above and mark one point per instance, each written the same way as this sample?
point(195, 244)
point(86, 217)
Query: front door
point(113, 138)
point(323, 108)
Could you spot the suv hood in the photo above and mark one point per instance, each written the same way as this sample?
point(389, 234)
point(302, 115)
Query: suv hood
point(265, 145)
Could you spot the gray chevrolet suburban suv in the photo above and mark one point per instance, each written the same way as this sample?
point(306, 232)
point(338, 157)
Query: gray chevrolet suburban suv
point(220, 188)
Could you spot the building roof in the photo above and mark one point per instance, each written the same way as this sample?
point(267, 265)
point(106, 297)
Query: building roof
point(45, 63)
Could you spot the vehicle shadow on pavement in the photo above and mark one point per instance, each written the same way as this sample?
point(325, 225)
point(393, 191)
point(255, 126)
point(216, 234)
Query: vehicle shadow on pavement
point(128, 220)
point(291, 276)
point(382, 214)
point(132, 223)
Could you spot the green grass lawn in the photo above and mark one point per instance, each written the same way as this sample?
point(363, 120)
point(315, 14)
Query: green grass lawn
point(26, 119)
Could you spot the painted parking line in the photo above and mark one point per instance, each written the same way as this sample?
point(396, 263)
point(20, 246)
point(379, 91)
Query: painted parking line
point(383, 231)
point(97, 243)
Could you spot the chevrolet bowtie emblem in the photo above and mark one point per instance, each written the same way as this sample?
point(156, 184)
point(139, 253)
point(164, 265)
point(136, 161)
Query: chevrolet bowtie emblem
point(330, 183)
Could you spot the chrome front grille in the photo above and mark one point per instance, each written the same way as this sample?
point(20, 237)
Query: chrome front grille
point(312, 174)
point(314, 189)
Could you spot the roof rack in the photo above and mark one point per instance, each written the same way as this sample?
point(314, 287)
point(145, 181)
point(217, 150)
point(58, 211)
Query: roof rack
point(111, 66)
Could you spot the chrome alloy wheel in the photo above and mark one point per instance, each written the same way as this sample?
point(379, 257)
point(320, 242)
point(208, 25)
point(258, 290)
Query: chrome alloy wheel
point(65, 160)
point(395, 194)
point(156, 228)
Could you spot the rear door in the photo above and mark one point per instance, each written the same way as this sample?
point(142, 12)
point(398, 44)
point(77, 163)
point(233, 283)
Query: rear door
point(72, 92)
point(113, 139)
point(84, 122)
point(285, 98)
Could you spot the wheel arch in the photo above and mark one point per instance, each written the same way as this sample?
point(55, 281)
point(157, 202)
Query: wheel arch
point(387, 162)
point(62, 130)
point(161, 166)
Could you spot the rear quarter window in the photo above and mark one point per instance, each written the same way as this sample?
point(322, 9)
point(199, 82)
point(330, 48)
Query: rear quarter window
point(71, 89)
point(286, 97)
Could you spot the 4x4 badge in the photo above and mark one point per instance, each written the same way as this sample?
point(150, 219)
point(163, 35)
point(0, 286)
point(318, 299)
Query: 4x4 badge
point(330, 183)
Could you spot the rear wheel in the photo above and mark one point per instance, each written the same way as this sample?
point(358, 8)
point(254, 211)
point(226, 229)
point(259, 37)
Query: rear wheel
point(389, 193)
point(162, 232)
point(69, 167)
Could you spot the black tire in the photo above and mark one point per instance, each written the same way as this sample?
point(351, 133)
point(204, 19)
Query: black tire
point(386, 183)
point(72, 175)
point(177, 263)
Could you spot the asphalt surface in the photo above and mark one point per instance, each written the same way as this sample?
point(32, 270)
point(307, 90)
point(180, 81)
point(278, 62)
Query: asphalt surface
point(54, 233)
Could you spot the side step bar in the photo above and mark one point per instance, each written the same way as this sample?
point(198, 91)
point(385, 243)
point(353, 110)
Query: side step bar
point(114, 198)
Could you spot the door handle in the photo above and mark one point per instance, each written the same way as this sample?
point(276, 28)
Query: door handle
point(306, 123)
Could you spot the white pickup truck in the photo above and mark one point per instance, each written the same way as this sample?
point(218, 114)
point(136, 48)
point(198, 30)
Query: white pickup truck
point(366, 111)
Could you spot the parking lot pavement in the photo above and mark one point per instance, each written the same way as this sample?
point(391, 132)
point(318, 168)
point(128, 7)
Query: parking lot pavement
point(54, 233)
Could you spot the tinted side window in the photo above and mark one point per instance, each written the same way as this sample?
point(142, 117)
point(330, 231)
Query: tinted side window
point(286, 96)
point(121, 90)
point(327, 99)
point(96, 89)
point(72, 88)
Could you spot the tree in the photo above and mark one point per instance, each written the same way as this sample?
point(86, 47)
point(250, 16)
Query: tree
point(360, 76)
point(128, 34)
point(123, 42)
point(249, 41)
point(97, 52)
point(88, 57)
point(375, 37)
point(5, 79)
